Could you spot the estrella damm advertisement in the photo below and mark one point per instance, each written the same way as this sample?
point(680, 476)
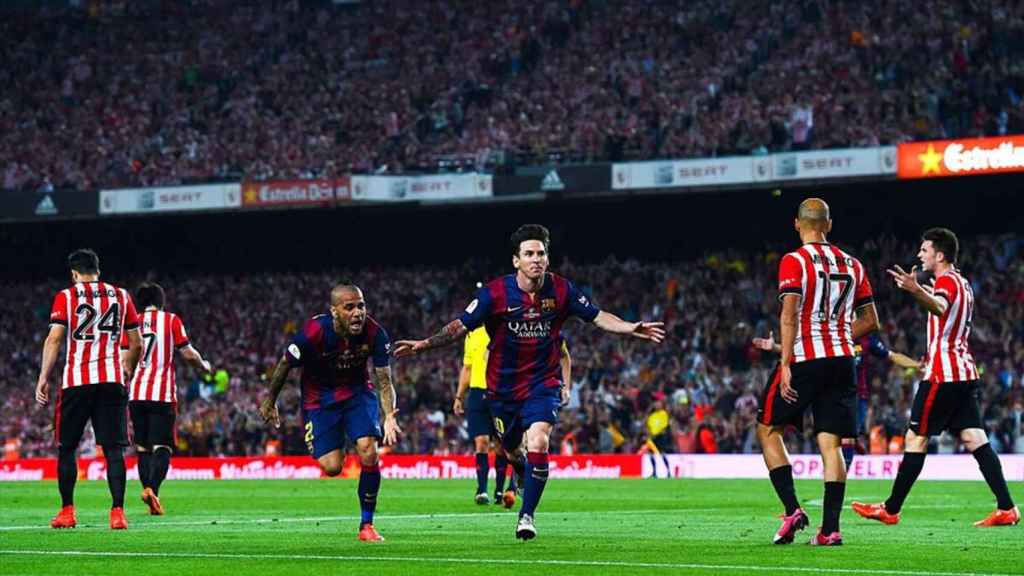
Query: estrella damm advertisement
point(966, 157)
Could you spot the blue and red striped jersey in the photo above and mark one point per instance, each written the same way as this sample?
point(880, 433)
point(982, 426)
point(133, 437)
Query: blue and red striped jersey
point(335, 368)
point(866, 346)
point(525, 332)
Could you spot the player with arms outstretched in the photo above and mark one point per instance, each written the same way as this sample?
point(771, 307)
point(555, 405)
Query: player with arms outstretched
point(949, 395)
point(338, 400)
point(524, 313)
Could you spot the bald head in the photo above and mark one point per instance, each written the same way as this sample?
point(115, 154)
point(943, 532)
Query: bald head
point(813, 209)
point(814, 214)
point(343, 292)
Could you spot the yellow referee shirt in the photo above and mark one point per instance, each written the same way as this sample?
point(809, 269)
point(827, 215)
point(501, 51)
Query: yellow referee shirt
point(475, 357)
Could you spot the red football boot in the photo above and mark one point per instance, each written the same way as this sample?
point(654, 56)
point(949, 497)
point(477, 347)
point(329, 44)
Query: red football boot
point(151, 500)
point(367, 533)
point(117, 519)
point(1000, 518)
point(875, 512)
point(65, 518)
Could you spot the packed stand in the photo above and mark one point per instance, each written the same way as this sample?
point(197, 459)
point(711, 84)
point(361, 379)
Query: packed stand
point(697, 392)
point(161, 93)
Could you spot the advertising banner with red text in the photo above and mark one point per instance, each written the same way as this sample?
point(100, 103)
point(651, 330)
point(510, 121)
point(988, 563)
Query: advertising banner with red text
point(295, 192)
point(968, 157)
point(302, 467)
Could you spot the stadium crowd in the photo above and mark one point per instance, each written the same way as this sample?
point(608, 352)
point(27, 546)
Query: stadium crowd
point(153, 92)
point(697, 392)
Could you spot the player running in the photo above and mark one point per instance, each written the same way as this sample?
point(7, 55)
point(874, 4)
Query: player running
point(949, 395)
point(338, 400)
point(523, 314)
point(153, 394)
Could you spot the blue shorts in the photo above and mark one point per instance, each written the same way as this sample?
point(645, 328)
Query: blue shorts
point(478, 415)
point(326, 428)
point(512, 418)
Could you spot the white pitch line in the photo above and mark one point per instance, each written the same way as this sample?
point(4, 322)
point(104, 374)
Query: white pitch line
point(382, 517)
point(500, 561)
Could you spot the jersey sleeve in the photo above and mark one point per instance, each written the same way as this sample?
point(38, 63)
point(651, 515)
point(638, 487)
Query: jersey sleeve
point(791, 276)
point(478, 310)
point(863, 295)
point(945, 288)
point(59, 310)
point(381, 349)
point(131, 316)
point(178, 333)
point(467, 349)
point(301, 347)
point(878, 348)
point(579, 305)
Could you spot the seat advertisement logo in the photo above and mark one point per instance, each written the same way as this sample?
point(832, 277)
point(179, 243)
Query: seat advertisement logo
point(968, 157)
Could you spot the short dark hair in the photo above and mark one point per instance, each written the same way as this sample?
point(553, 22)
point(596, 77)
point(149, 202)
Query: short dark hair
point(530, 232)
point(150, 294)
point(943, 240)
point(84, 261)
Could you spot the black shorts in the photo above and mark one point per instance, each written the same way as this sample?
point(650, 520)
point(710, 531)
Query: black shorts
point(152, 423)
point(952, 406)
point(478, 414)
point(827, 385)
point(106, 405)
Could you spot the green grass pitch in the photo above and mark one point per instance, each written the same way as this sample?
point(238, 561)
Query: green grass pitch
point(614, 527)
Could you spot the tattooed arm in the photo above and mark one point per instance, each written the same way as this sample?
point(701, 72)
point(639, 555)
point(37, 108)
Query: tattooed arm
point(268, 408)
point(452, 332)
point(387, 402)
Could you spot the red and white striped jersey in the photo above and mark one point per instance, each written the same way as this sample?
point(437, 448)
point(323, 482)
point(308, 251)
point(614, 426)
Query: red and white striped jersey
point(96, 314)
point(831, 285)
point(162, 334)
point(949, 359)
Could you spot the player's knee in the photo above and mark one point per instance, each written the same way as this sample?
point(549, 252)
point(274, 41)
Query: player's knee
point(973, 438)
point(332, 469)
point(141, 448)
point(915, 443)
point(482, 444)
point(114, 452)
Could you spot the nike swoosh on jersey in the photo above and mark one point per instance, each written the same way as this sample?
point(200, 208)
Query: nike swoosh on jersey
point(512, 310)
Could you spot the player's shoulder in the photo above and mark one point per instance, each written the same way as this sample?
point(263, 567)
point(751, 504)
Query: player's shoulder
point(498, 284)
point(373, 326)
point(317, 325)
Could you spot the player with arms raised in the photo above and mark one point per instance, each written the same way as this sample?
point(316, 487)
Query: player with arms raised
point(949, 395)
point(338, 400)
point(524, 313)
point(91, 315)
point(821, 288)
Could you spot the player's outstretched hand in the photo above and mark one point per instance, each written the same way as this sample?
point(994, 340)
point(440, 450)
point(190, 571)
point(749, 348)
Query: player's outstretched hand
point(405, 348)
point(905, 280)
point(457, 407)
point(268, 410)
point(766, 344)
point(207, 367)
point(391, 429)
point(42, 393)
point(786, 380)
point(653, 331)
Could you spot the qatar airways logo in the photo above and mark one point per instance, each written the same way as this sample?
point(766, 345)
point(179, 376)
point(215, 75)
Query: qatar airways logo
point(524, 329)
point(1006, 155)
